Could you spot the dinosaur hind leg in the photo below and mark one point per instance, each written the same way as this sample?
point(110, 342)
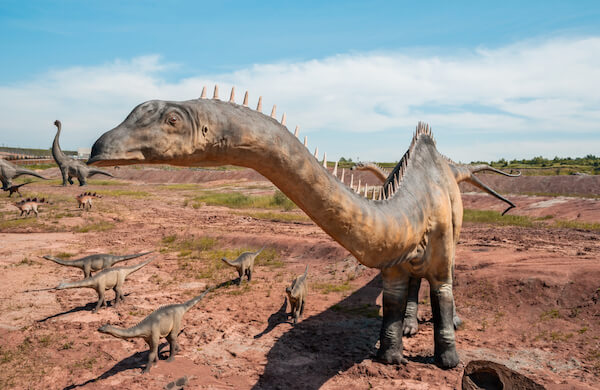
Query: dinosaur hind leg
point(153, 352)
point(395, 295)
point(173, 344)
point(411, 324)
point(442, 307)
point(81, 180)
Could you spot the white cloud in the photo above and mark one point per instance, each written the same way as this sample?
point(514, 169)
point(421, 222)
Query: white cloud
point(530, 90)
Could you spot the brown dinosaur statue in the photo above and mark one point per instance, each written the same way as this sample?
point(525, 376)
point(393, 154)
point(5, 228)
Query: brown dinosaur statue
point(107, 279)
point(297, 295)
point(26, 206)
point(85, 199)
point(410, 232)
point(9, 171)
point(461, 172)
point(163, 322)
point(244, 264)
point(69, 167)
point(96, 262)
point(15, 188)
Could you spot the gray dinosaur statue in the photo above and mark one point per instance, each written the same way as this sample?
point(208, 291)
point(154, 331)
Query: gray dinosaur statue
point(163, 322)
point(109, 278)
point(411, 232)
point(69, 167)
point(96, 262)
point(9, 171)
point(244, 264)
point(378, 171)
point(26, 206)
point(297, 295)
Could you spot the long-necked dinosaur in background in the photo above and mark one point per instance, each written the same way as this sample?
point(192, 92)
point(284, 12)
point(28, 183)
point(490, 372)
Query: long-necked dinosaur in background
point(96, 262)
point(9, 171)
point(461, 173)
point(69, 167)
point(412, 233)
point(244, 264)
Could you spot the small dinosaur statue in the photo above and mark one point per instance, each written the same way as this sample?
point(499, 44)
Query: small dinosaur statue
point(9, 171)
point(409, 232)
point(15, 188)
point(244, 264)
point(70, 168)
point(297, 295)
point(85, 199)
point(96, 262)
point(163, 322)
point(109, 278)
point(28, 205)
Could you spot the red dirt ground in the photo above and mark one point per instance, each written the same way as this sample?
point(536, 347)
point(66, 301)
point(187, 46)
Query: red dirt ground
point(528, 297)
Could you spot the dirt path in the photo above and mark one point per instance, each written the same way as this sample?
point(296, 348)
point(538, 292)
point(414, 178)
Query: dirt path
point(528, 296)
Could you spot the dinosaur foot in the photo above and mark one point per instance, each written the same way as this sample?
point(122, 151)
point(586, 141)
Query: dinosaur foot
point(391, 356)
point(457, 322)
point(447, 359)
point(411, 326)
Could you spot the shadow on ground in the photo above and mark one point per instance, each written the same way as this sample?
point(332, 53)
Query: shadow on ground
point(318, 347)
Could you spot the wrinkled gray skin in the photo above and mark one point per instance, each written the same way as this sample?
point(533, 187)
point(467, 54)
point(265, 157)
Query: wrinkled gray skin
point(413, 234)
point(70, 168)
point(163, 322)
point(9, 171)
point(95, 262)
point(107, 279)
point(244, 264)
point(297, 296)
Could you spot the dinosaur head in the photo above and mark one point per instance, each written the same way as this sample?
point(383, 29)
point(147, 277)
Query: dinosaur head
point(189, 133)
point(104, 328)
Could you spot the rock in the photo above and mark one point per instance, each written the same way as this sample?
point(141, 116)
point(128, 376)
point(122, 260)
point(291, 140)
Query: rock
point(483, 374)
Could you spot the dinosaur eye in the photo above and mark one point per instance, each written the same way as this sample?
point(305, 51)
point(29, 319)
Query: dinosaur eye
point(172, 119)
point(204, 130)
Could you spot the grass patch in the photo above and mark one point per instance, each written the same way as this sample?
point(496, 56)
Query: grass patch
point(105, 183)
point(99, 226)
point(327, 288)
point(577, 225)
point(181, 186)
point(277, 217)
point(130, 193)
point(496, 218)
point(17, 223)
point(552, 313)
point(236, 200)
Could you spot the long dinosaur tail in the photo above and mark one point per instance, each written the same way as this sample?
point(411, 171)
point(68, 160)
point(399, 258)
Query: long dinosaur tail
point(99, 172)
point(466, 173)
point(189, 304)
point(260, 250)
point(227, 262)
point(134, 268)
point(305, 272)
point(21, 172)
point(129, 257)
point(68, 263)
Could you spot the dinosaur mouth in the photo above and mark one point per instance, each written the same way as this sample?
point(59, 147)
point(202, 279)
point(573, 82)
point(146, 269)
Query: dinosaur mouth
point(103, 160)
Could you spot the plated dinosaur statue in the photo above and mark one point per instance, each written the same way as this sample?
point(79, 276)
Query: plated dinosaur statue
point(163, 322)
point(244, 264)
point(297, 295)
point(107, 279)
point(85, 199)
point(461, 173)
point(26, 206)
point(69, 167)
point(10, 171)
point(96, 262)
point(411, 232)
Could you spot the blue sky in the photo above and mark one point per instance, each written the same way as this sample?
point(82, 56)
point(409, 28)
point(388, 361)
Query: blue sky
point(494, 79)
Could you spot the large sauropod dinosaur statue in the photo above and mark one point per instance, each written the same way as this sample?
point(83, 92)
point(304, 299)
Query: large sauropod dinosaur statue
point(26, 206)
point(409, 233)
point(69, 167)
point(244, 264)
point(110, 278)
point(462, 172)
point(96, 262)
point(163, 322)
point(9, 171)
point(297, 295)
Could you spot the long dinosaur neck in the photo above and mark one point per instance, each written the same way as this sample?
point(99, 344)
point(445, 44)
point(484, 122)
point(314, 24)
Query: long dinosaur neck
point(57, 152)
point(134, 331)
point(366, 228)
point(87, 282)
point(69, 263)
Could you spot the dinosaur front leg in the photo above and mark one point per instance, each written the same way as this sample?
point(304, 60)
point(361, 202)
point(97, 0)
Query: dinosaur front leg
point(101, 300)
point(411, 324)
point(153, 352)
point(65, 176)
point(395, 294)
point(173, 344)
point(81, 180)
point(442, 306)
